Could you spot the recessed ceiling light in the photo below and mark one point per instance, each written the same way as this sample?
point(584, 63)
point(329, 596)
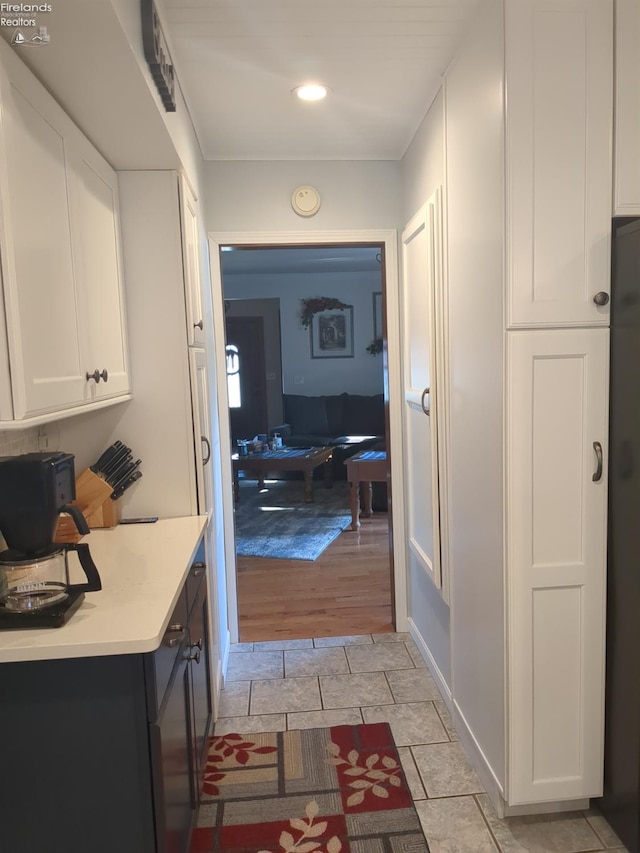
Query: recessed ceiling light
point(311, 91)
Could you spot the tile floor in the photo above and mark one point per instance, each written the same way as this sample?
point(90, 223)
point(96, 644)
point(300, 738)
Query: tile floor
point(295, 684)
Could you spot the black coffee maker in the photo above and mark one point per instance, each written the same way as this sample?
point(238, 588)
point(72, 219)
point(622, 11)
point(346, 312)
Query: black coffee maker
point(34, 577)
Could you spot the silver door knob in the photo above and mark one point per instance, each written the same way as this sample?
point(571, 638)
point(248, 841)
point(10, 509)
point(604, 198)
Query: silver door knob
point(601, 298)
point(97, 375)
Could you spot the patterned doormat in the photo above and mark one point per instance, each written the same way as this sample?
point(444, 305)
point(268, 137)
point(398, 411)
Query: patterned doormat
point(335, 790)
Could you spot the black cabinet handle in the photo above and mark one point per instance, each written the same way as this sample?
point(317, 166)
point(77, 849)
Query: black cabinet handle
point(598, 449)
point(199, 325)
point(205, 440)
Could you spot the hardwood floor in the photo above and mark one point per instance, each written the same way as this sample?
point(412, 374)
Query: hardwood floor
point(347, 590)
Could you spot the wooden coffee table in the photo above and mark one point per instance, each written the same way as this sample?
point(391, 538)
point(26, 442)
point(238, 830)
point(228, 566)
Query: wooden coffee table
point(305, 459)
point(365, 467)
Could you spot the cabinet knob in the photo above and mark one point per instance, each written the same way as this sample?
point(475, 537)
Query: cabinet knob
point(194, 655)
point(197, 570)
point(198, 325)
point(601, 298)
point(97, 376)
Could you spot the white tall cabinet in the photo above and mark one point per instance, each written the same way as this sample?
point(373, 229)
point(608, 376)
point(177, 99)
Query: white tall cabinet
point(527, 260)
point(626, 196)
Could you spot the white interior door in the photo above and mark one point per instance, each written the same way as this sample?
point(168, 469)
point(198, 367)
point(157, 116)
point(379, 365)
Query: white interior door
point(421, 276)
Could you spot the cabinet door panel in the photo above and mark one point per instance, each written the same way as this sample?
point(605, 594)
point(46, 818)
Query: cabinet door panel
point(38, 271)
point(172, 757)
point(202, 428)
point(627, 109)
point(200, 676)
point(98, 262)
point(559, 56)
point(191, 264)
point(422, 278)
point(556, 531)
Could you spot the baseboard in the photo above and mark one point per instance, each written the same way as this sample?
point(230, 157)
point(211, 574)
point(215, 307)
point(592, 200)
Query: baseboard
point(547, 808)
point(221, 671)
point(433, 667)
point(486, 773)
point(482, 767)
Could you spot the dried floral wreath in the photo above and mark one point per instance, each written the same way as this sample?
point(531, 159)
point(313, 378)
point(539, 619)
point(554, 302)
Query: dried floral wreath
point(317, 304)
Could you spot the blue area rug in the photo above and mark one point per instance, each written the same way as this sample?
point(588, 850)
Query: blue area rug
point(278, 523)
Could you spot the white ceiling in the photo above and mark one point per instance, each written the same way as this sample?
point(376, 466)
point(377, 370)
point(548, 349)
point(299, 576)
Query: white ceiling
point(300, 259)
point(237, 61)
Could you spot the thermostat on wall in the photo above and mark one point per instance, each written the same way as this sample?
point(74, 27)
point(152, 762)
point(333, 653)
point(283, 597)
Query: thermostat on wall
point(305, 201)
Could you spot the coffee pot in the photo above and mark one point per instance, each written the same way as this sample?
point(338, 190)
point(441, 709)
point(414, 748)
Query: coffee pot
point(34, 573)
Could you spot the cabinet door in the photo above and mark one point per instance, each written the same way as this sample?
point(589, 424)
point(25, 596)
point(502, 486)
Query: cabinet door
point(201, 428)
point(559, 64)
point(172, 760)
point(191, 263)
point(96, 233)
point(200, 676)
point(557, 418)
point(626, 200)
point(421, 281)
point(36, 248)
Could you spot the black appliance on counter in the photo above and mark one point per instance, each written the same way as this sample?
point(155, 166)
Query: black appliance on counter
point(34, 579)
point(621, 800)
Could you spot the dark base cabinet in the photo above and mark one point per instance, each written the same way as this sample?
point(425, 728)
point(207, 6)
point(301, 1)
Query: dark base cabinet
point(106, 754)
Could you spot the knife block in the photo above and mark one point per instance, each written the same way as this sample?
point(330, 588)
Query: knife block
point(93, 499)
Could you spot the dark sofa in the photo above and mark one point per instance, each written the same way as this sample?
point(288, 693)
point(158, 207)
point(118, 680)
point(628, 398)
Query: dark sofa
point(347, 422)
point(322, 421)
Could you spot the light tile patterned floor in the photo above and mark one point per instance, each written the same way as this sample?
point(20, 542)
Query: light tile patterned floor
point(299, 684)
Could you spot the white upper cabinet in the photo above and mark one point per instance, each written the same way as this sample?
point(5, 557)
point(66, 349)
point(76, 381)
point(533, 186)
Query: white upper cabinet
point(191, 264)
point(559, 66)
point(60, 249)
point(626, 198)
point(98, 265)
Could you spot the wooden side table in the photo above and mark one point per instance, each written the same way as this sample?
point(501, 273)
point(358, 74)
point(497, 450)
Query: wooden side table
point(369, 466)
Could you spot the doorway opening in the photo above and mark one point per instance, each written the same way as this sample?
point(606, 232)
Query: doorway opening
point(306, 361)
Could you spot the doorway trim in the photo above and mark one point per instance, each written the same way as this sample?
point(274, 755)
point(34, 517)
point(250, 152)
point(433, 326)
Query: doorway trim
point(388, 238)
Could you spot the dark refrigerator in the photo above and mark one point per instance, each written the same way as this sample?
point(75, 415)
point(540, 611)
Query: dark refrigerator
point(621, 800)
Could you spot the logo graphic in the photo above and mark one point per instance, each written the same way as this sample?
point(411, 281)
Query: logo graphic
point(41, 37)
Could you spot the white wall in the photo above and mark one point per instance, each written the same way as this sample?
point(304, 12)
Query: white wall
point(362, 374)
point(475, 114)
point(423, 165)
point(256, 196)
point(422, 171)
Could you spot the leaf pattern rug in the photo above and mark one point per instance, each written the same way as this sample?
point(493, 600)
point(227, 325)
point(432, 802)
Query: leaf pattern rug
point(334, 790)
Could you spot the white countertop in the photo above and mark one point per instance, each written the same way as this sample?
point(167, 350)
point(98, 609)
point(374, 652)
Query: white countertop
point(143, 568)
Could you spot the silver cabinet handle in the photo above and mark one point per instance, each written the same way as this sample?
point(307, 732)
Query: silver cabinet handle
point(601, 298)
point(197, 569)
point(598, 449)
point(426, 410)
point(204, 439)
point(178, 629)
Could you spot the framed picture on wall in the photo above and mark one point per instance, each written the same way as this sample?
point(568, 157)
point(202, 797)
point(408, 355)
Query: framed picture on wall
point(377, 317)
point(332, 334)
